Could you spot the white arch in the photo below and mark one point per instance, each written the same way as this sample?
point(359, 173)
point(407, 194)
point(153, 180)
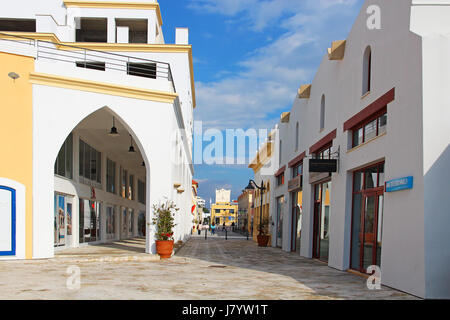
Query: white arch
point(57, 112)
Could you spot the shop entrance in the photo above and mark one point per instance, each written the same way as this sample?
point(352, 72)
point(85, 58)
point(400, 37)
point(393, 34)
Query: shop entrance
point(368, 201)
point(321, 235)
point(296, 203)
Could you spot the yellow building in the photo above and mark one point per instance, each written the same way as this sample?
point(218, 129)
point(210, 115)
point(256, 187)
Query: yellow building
point(262, 159)
point(224, 212)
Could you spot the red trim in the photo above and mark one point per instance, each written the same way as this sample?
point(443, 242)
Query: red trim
point(323, 142)
point(280, 171)
point(373, 108)
point(297, 160)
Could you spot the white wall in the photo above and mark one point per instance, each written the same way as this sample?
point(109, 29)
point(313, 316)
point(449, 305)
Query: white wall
point(414, 257)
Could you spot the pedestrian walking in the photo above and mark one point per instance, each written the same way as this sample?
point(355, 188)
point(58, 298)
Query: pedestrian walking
point(213, 228)
point(199, 229)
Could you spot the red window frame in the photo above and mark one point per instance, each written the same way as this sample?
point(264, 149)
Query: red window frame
point(377, 116)
point(280, 179)
point(320, 153)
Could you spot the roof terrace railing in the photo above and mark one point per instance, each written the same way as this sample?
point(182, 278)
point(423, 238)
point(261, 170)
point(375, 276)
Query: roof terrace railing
point(95, 59)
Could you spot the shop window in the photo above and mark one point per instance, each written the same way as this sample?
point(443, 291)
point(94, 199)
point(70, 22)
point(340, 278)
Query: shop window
point(141, 192)
point(19, 25)
point(131, 188)
point(89, 221)
point(92, 30)
point(64, 161)
point(94, 65)
point(110, 176)
point(90, 164)
point(137, 30)
point(367, 71)
point(370, 128)
point(146, 70)
point(124, 183)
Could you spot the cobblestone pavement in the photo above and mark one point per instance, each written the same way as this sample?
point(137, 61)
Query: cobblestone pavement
point(212, 269)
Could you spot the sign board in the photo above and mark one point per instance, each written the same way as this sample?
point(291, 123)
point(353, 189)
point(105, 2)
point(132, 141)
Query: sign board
point(315, 176)
point(400, 184)
point(322, 165)
point(295, 184)
point(7, 221)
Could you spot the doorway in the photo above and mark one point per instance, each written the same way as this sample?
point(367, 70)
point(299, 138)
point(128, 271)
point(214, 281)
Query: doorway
point(321, 242)
point(367, 219)
point(296, 221)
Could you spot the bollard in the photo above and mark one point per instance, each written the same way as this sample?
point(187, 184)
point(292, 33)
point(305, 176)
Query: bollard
point(226, 234)
point(247, 235)
point(206, 233)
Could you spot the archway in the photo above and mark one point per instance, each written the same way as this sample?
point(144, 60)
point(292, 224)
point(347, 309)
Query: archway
point(100, 182)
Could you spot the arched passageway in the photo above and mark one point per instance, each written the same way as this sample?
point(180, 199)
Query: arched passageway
point(100, 182)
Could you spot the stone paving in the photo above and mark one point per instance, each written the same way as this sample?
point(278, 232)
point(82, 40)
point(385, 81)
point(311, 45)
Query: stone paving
point(213, 269)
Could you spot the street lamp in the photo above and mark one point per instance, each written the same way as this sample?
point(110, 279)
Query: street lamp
point(251, 186)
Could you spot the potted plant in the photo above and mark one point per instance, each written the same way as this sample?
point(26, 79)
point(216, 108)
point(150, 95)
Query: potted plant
point(164, 217)
point(263, 237)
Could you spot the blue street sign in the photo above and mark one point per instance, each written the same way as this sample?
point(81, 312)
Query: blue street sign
point(400, 184)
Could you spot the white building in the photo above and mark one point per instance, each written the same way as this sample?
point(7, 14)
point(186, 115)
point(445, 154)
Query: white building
point(378, 105)
point(79, 73)
point(223, 196)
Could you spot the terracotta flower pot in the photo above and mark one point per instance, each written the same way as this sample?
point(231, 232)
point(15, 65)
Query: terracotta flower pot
point(263, 241)
point(164, 248)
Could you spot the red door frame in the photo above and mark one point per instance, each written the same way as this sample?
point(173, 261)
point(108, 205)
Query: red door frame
point(377, 192)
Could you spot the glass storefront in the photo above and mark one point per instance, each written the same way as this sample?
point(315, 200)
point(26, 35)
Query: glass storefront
point(322, 196)
point(367, 217)
point(89, 221)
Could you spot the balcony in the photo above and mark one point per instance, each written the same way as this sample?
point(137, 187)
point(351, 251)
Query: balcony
point(72, 60)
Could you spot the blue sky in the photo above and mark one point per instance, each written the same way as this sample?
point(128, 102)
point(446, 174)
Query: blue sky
point(250, 57)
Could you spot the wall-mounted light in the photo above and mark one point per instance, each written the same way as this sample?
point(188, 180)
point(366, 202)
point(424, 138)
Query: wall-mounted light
point(13, 76)
point(131, 150)
point(114, 132)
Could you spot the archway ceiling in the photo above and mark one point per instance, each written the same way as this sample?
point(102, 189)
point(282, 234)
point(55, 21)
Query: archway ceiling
point(96, 128)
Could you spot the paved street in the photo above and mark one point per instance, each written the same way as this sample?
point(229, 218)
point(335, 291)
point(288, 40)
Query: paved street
point(211, 269)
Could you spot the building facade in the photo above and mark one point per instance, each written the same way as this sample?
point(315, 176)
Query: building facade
point(100, 111)
point(224, 211)
point(245, 218)
point(365, 152)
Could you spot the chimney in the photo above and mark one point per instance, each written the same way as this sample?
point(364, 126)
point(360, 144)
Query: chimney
point(182, 36)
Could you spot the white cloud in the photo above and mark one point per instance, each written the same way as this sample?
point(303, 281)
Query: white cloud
point(268, 78)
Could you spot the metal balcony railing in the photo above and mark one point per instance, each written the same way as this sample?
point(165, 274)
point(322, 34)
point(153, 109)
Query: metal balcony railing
point(95, 59)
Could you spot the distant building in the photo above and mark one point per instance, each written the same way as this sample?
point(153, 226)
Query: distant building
point(224, 211)
point(245, 215)
point(223, 196)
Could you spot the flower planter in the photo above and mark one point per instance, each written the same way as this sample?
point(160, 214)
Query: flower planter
point(164, 248)
point(263, 241)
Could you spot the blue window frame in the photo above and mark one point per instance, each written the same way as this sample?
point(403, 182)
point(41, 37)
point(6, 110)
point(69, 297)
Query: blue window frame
point(12, 252)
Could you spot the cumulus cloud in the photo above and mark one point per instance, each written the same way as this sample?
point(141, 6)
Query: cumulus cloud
point(269, 76)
